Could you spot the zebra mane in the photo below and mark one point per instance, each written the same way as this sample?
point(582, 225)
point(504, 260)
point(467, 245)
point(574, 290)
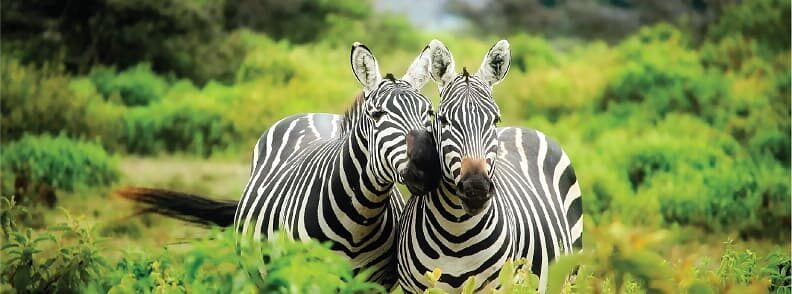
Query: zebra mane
point(350, 115)
point(465, 74)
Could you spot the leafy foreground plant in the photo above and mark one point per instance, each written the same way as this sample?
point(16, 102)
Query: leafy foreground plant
point(68, 258)
point(59, 260)
point(215, 265)
point(627, 260)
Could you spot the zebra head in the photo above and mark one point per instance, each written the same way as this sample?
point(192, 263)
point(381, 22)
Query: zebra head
point(399, 119)
point(466, 124)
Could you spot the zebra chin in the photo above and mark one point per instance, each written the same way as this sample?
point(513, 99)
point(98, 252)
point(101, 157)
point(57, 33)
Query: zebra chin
point(475, 192)
point(474, 207)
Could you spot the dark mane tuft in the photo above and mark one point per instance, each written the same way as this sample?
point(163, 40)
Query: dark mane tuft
point(390, 77)
point(350, 113)
point(465, 74)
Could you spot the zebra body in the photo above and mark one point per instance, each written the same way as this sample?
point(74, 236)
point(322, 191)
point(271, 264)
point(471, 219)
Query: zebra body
point(331, 178)
point(506, 193)
point(436, 232)
point(307, 181)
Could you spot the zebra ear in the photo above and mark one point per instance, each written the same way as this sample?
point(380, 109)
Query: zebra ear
point(418, 72)
point(496, 63)
point(365, 67)
point(441, 63)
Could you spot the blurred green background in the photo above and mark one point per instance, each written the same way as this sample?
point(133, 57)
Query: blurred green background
point(676, 115)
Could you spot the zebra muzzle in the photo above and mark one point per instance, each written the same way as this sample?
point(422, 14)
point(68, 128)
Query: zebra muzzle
point(423, 168)
point(475, 191)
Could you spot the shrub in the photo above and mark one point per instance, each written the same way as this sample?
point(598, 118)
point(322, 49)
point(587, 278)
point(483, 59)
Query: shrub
point(188, 39)
point(266, 57)
point(767, 21)
point(57, 163)
point(214, 265)
point(703, 177)
point(38, 100)
point(64, 259)
point(137, 85)
point(44, 100)
point(530, 52)
point(382, 33)
point(662, 75)
point(198, 126)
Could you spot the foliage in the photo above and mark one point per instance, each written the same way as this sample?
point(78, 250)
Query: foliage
point(214, 265)
point(766, 21)
point(29, 97)
point(659, 73)
point(65, 258)
point(307, 19)
point(69, 258)
point(621, 259)
point(57, 162)
point(137, 85)
point(198, 127)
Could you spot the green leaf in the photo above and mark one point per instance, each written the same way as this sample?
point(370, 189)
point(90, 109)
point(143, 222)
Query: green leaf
point(506, 276)
point(22, 278)
point(469, 286)
point(560, 270)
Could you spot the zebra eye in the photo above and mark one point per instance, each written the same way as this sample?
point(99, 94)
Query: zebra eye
point(442, 119)
point(377, 114)
point(496, 121)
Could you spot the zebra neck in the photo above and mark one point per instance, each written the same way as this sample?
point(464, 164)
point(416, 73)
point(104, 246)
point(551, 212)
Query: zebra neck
point(358, 177)
point(444, 204)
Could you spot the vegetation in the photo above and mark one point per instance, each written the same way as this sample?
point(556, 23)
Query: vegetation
point(40, 165)
point(679, 134)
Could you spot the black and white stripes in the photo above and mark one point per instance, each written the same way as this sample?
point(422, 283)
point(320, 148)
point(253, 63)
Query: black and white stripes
point(331, 178)
point(506, 192)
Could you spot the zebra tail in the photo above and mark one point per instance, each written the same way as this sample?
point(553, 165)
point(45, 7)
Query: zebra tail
point(187, 207)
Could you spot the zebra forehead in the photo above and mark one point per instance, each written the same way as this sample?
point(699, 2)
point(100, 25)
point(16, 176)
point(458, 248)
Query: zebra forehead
point(402, 91)
point(470, 105)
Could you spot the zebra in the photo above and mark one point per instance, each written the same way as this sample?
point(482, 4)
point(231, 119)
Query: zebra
point(505, 193)
point(331, 177)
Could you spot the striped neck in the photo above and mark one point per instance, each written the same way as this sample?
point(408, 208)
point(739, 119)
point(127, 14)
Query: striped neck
point(366, 192)
point(444, 203)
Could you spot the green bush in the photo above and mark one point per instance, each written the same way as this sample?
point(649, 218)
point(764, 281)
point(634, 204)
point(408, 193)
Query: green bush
point(214, 265)
point(531, 52)
point(767, 21)
point(58, 162)
point(137, 85)
point(44, 100)
point(188, 39)
point(702, 177)
point(659, 73)
point(63, 259)
point(198, 125)
point(38, 101)
point(623, 259)
point(382, 34)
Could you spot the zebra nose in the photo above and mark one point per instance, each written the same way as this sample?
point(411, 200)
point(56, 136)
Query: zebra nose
point(472, 166)
point(423, 167)
point(475, 191)
point(475, 186)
